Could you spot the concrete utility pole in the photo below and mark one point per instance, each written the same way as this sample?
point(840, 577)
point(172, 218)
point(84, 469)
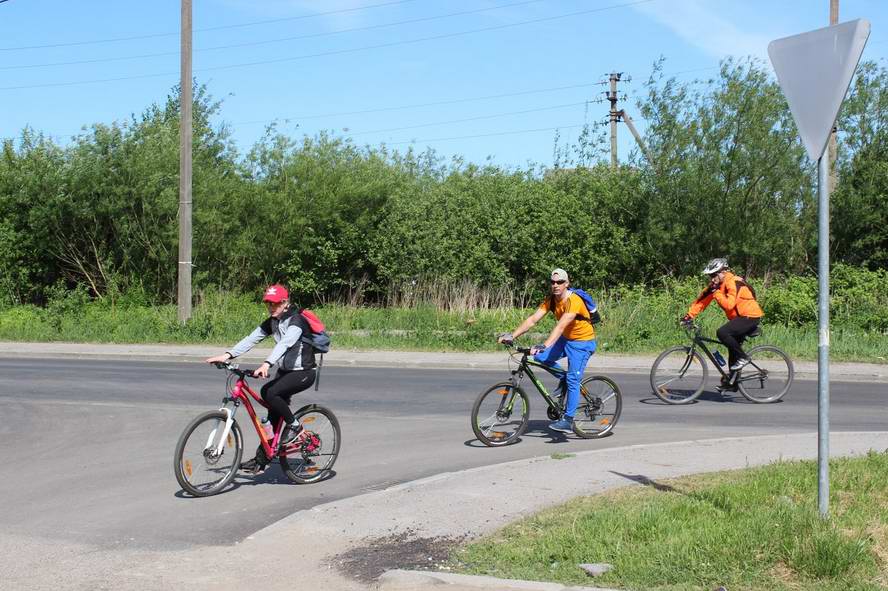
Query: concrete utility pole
point(617, 115)
point(184, 293)
point(628, 120)
point(831, 147)
point(614, 115)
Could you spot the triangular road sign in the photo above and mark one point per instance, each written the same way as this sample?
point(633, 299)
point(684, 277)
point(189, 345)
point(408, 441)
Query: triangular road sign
point(814, 70)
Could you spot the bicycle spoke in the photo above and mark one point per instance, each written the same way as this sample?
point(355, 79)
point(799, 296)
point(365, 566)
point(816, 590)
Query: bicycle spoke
point(678, 376)
point(599, 408)
point(768, 376)
point(207, 458)
point(505, 414)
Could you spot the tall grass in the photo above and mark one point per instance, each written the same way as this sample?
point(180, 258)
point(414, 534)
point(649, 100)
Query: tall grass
point(432, 315)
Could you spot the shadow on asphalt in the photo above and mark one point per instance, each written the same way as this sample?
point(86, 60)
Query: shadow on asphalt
point(644, 480)
point(274, 475)
point(706, 396)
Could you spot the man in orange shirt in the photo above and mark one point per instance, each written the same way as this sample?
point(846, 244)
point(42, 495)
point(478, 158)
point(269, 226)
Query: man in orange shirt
point(573, 337)
point(737, 299)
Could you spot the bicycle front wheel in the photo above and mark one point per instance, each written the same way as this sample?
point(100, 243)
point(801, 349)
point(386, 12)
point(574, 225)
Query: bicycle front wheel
point(679, 375)
point(313, 458)
point(500, 414)
point(768, 376)
point(601, 403)
point(206, 459)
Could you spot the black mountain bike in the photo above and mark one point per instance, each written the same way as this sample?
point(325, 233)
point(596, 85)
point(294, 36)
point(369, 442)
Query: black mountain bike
point(501, 412)
point(679, 373)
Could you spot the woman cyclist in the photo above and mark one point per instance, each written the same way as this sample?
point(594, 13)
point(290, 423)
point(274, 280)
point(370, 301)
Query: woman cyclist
point(737, 299)
point(296, 365)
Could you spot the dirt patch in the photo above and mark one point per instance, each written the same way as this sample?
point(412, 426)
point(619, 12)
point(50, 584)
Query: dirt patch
point(405, 550)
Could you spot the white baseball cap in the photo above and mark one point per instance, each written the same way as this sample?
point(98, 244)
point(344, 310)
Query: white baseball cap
point(560, 275)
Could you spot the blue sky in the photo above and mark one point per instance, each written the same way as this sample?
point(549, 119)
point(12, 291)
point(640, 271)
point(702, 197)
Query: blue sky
point(476, 78)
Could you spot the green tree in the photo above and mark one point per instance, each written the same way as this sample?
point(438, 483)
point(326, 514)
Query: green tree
point(859, 223)
point(730, 175)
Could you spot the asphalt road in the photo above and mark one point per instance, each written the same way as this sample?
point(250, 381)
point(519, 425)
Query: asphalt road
point(89, 444)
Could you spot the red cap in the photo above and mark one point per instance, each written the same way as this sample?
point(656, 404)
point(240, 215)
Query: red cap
point(276, 294)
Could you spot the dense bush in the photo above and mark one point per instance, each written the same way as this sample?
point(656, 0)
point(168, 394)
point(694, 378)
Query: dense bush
point(343, 223)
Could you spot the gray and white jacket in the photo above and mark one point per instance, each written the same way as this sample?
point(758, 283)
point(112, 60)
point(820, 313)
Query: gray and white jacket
point(289, 350)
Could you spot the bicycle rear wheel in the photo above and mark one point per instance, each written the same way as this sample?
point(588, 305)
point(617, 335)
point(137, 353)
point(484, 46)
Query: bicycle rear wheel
point(768, 376)
point(500, 414)
point(313, 458)
point(203, 467)
point(601, 403)
point(679, 375)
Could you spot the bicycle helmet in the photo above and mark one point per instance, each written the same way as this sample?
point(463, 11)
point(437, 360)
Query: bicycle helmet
point(715, 265)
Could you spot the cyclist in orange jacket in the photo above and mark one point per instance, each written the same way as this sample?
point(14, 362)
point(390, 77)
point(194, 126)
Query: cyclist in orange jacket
point(737, 299)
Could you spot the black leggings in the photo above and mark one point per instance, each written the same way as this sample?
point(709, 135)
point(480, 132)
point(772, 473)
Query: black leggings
point(733, 333)
point(277, 393)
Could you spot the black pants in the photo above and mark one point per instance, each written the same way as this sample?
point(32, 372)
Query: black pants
point(277, 393)
point(733, 333)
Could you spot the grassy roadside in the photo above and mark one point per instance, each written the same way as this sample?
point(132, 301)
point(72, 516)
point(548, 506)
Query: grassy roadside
point(753, 529)
point(638, 325)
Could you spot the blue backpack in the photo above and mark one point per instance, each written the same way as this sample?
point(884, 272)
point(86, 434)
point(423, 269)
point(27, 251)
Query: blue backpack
point(593, 316)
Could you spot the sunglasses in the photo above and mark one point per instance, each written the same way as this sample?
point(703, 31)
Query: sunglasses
point(559, 282)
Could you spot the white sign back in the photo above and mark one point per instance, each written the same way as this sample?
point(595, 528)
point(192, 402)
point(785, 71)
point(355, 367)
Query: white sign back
point(814, 70)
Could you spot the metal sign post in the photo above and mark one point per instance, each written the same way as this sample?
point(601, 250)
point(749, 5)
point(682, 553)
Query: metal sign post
point(814, 70)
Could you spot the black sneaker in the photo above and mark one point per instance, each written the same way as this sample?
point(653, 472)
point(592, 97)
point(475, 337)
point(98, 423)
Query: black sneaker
point(253, 466)
point(292, 434)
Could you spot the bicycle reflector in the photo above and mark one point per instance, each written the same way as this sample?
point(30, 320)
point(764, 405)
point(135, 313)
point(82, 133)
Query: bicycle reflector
point(504, 391)
point(308, 420)
point(187, 467)
point(230, 440)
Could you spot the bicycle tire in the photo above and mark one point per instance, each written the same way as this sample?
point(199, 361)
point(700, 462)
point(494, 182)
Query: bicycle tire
point(779, 371)
point(312, 460)
point(187, 464)
point(590, 420)
point(497, 427)
point(685, 366)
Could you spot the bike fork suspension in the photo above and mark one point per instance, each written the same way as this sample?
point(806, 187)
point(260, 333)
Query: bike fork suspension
point(229, 420)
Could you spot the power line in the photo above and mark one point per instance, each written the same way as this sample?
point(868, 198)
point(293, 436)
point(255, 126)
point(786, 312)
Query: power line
point(499, 133)
point(477, 118)
point(423, 39)
point(350, 50)
point(176, 34)
point(411, 106)
point(421, 105)
point(277, 40)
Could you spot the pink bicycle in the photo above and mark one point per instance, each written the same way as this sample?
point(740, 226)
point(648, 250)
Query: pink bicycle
point(209, 451)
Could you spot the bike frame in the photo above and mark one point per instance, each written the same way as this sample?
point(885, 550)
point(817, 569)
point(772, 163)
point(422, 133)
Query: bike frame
point(524, 367)
point(698, 340)
point(241, 394)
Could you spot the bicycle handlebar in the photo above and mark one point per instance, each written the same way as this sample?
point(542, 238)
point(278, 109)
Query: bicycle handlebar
point(233, 368)
point(517, 349)
point(692, 327)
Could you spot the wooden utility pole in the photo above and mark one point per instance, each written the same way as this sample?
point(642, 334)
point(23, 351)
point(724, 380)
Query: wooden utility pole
point(184, 267)
point(831, 148)
point(614, 115)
